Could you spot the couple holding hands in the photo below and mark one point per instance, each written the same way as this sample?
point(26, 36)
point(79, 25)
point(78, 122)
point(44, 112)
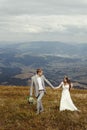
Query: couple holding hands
point(38, 83)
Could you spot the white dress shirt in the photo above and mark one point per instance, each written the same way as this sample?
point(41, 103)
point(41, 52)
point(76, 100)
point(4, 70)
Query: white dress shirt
point(40, 83)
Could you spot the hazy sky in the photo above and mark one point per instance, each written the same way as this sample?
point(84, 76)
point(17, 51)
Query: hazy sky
point(53, 20)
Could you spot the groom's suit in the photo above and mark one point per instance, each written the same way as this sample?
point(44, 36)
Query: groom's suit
point(39, 93)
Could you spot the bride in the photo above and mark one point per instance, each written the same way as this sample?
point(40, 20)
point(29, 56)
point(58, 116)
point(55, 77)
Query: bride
point(66, 102)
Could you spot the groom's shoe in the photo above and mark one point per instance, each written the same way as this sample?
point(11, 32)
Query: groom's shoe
point(37, 113)
point(41, 111)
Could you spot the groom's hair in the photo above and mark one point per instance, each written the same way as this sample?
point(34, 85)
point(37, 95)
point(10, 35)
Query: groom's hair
point(39, 70)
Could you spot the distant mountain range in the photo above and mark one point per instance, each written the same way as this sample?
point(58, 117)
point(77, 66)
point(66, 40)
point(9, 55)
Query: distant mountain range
point(49, 48)
point(18, 62)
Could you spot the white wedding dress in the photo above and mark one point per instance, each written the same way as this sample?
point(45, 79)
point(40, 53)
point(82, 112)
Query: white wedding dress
point(66, 102)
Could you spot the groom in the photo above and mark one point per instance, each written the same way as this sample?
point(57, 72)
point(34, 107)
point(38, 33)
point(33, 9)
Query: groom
point(38, 83)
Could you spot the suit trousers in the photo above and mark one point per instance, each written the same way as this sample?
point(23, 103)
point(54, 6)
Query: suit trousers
point(39, 101)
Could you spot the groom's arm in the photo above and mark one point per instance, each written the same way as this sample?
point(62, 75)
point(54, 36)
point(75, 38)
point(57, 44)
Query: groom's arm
point(31, 87)
point(48, 82)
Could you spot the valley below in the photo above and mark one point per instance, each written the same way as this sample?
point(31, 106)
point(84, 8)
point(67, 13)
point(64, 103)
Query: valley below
point(18, 63)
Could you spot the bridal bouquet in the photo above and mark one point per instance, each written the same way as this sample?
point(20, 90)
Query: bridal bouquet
point(31, 100)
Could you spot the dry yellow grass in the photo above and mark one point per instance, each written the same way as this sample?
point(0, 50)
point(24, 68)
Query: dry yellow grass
point(17, 114)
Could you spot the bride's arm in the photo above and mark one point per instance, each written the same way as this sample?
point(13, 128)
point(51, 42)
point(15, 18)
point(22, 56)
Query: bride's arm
point(72, 86)
point(59, 86)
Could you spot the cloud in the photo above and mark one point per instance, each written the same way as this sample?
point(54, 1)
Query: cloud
point(43, 7)
point(64, 20)
point(38, 24)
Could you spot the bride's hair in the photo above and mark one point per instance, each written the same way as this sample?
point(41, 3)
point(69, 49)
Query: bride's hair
point(68, 81)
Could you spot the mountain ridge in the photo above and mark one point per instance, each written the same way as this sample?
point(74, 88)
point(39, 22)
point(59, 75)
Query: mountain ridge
point(55, 58)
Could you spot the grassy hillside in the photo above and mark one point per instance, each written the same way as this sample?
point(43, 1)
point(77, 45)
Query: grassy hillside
point(17, 114)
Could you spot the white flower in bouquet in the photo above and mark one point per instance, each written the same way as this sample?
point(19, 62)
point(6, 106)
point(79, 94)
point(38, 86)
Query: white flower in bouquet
point(31, 100)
